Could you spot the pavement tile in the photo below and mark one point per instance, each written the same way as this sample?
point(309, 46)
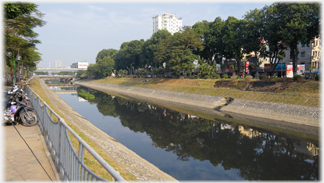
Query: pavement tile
point(20, 164)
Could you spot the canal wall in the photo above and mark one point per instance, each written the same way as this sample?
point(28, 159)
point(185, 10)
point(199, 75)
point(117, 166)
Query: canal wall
point(296, 114)
point(126, 158)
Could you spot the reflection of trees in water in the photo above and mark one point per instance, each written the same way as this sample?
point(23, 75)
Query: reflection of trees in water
point(261, 157)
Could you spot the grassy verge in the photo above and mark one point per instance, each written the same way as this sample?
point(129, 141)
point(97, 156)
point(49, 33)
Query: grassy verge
point(91, 163)
point(306, 93)
point(86, 95)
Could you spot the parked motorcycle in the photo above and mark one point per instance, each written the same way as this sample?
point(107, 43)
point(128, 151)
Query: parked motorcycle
point(18, 108)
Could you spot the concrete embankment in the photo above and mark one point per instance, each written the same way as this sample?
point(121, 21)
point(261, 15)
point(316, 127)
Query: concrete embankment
point(301, 115)
point(129, 160)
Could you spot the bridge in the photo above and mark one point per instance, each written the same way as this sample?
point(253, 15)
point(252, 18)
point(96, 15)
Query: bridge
point(52, 71)
point(64, 78)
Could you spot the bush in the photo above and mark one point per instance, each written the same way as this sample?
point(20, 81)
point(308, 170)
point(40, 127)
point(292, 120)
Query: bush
point(225, 76)
point(317, 78)
point(276, 79)
point(262, 77)
point(295, 78)
point(206, 77)
point(215, 76)
point(59, 83)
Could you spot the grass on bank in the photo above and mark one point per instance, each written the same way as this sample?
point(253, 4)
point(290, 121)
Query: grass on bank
point(89, 160)
point(86, 95)
point(306, 93)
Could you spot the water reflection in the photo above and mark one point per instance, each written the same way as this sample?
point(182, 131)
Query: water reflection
point(257, 154)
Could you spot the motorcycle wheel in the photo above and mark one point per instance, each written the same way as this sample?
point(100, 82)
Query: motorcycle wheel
point(28, 121)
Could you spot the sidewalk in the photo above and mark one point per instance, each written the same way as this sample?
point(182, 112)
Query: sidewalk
point(19, 162)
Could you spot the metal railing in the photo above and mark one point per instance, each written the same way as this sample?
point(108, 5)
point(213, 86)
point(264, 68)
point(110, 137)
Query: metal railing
point(69, 164)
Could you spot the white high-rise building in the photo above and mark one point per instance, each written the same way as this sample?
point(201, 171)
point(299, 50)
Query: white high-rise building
point(167, 22)
point(58, 64)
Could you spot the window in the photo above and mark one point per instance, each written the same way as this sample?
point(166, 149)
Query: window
point(303, 45)
point(302, 54)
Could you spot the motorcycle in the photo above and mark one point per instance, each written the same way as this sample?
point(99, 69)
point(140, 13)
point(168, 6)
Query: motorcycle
point(18, 108)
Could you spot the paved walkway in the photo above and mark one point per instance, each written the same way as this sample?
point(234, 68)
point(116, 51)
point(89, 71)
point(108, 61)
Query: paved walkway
point(19, 162)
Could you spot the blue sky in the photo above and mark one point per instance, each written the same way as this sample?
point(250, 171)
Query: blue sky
point(76, 32)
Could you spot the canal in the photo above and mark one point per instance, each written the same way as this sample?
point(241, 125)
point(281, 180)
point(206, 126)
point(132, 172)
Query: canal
point(192, 148)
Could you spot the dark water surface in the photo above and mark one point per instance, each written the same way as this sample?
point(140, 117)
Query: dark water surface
point(192, 148)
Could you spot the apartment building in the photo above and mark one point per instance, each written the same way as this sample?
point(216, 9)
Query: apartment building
point(308, 55)
point(167, 22)
point(58, 64)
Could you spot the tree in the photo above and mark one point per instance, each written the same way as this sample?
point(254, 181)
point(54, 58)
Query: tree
point(272, 24)
point(104, 53)
point(253, 36)
point(233, 39)
point(205, 69)
point(142, 71)
point(203, 29)
point(150, 47)
point(21, 18)
point(129, 54)
point(299, 23)
point(177, 50)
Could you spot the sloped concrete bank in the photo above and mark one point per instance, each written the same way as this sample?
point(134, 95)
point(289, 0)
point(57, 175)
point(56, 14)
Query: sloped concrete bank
point(301, 115)
point(133, 163)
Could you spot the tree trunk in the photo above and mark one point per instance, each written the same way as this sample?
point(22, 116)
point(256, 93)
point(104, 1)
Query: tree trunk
point(294, 59)
point(238, 65)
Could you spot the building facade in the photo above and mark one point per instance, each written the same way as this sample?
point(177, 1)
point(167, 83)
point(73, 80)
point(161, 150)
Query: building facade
point(308, 55)
point(58, 64)
point(167, 22)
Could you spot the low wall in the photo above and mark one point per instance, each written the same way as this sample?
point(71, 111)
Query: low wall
point(282, 112)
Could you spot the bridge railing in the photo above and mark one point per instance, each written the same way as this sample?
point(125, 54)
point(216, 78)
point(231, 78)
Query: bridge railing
point(69, 164)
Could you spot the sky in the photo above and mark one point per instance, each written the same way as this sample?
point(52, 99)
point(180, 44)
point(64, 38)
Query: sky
point(78, 31)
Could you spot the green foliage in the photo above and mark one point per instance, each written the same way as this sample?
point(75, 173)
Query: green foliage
point(121, 72)
point(262, 77)
point(65, 73)
point(177, 51)
point(105, 54)
point(41, 73)
point(158, 71)
point(225, 76)
point(206, 77)
point(205, 69)
point(86, 95)
point(142, 71)
point(59, 83)
point(317, 77)
point(215, 76)
point(295, 78)
point(129, 55)
point(276, 79)
point(80, 73)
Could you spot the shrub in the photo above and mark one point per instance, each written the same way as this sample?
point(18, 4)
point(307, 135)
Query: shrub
point(206, 77)
point(317, 77)
point(295, 78)
point(276, 79)
point(225, 76)
point(215, 76)
point(59, 83)
point(262, 77)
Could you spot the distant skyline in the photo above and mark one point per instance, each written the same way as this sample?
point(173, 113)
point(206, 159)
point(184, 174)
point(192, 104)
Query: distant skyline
point(76, 32)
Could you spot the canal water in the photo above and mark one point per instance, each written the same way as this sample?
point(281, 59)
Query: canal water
point(192, 148)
